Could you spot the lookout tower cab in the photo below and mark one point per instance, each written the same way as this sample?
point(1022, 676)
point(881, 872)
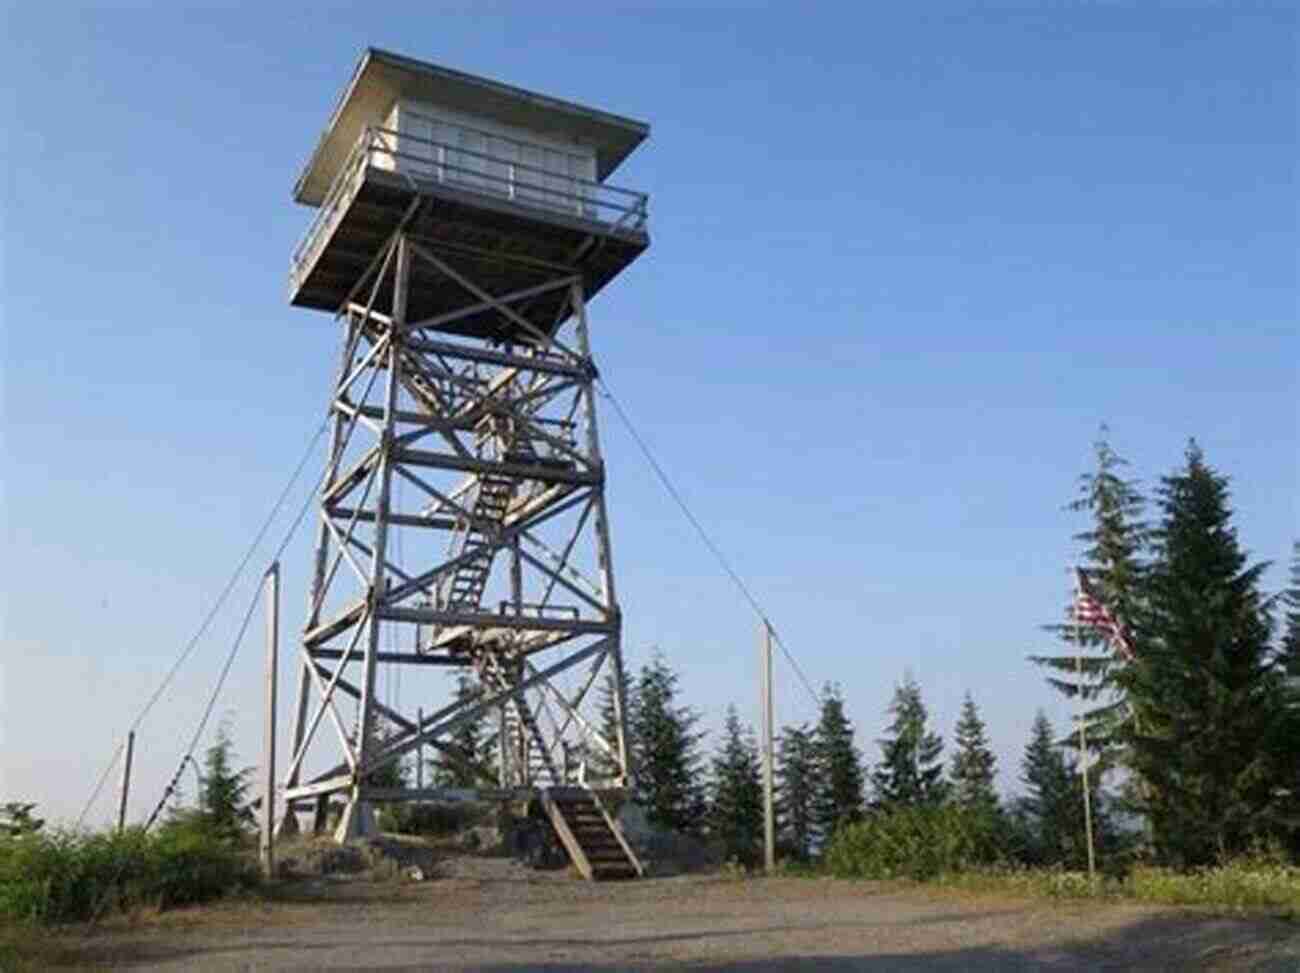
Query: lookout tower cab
point(503, 173)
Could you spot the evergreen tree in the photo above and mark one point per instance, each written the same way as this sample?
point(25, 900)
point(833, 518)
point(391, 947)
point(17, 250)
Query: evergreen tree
point(796, 789)
point(839, 794)
point(910, 771)
point(973, 765)
point(1209, 716)
point(223, 800)
point(667, 751)
point(1114, 544)
point(600, 763)
point(736, 807)
point(391, 774)
point(1053, 828)
point(1291, 618)
point(468, 747)
point(1289, 748)
point(16, 819)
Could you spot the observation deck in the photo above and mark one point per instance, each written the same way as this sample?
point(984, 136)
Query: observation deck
point(507, 184)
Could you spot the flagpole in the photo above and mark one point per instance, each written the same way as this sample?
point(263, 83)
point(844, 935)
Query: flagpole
point(1083, 739)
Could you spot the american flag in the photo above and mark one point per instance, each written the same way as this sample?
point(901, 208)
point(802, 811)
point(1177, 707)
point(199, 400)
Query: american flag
point(1089, 610)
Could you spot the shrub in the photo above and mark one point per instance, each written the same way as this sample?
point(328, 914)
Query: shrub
point(434, 820)
point(68, 875)
point(919, 842)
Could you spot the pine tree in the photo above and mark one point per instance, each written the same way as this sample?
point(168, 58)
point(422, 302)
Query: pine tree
point(1054, 829)
point(223, 800)
point(1291, 618)
point(796, 789)
point(910, 771)
point(1288, 750)
point(16, 819)
point(391, 774)
point(1209, 714)
point(973, 765)
point(667, 751)
point(601, 763)
point(839, 794)
point(461, 764)
point(736, 805)
point(1114, 546)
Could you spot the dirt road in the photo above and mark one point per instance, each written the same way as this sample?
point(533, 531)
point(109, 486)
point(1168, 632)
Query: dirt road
point(550, 922)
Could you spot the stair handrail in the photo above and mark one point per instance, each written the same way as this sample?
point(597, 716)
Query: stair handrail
point(615, 829)
point(566, 835)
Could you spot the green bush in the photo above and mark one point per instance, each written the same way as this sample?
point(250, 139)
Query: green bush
point(915, 842)
point(69, 875)
point(433, 820)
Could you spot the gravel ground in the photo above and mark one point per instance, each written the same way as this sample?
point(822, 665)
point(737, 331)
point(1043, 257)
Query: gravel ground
point(489, 914)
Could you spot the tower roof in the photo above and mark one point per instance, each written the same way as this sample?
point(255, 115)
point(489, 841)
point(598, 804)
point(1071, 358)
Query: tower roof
point(381, 77)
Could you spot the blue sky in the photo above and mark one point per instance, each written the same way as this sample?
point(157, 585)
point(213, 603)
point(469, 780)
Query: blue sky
point(904, 265)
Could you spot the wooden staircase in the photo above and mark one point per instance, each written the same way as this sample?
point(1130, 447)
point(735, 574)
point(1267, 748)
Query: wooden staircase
point(530, 759)
point(592, 837)
point(466, 589)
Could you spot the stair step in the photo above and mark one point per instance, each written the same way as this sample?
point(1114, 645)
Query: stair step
point(610, 853)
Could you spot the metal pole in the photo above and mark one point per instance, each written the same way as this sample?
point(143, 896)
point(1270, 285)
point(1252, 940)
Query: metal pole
point(268, 757)
point(765, 708)
point(1083, 748)
point(419, 751)
point(126, 780)
point(1083, 770)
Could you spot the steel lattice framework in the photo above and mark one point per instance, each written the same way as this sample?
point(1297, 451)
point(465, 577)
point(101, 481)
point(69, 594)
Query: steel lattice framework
point(462, 525)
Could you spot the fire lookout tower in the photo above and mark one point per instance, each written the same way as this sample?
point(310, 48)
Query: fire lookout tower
point(462, 228)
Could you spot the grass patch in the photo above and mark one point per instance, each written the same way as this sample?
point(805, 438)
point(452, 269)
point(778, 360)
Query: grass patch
point(1246, 885)
point(1034, 883)
point(1242, 885)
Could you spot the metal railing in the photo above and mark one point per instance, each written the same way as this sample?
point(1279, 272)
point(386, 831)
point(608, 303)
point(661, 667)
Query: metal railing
point(422, 161)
